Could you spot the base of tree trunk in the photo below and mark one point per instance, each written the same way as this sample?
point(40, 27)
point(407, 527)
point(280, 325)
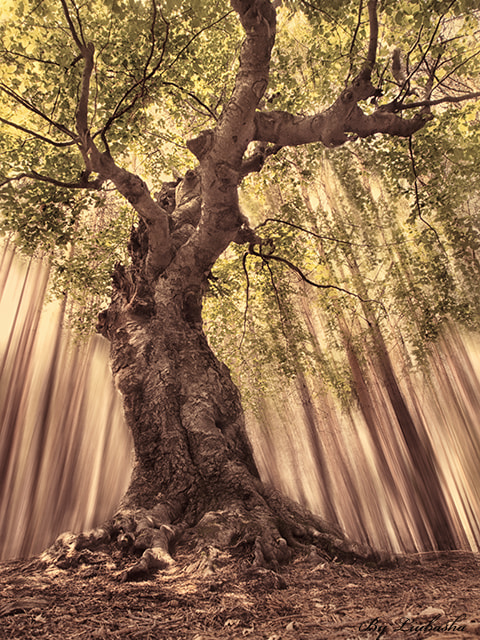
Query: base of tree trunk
point(268, 535)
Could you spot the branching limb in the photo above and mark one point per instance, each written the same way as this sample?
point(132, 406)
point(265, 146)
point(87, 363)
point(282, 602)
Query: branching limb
point(87, 51)
point(247, 298)
point(394, 107)
point(35, 134)
point(79, 40)
point(354, 38)
point(221, 151)
point(137, 89)
point(332, 126)
point(417, 195)
point(192, 95)
point(383, 121)
point(309, 231)
point(81, 116)
point(131, 186)
point(16, 97)
point(453, 71)
point(365, 74)
point(270, 256)
point(83, 183)
point(373, 41)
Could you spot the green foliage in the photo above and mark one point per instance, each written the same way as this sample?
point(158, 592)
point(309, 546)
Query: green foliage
point(396, 223)
point(161, 75)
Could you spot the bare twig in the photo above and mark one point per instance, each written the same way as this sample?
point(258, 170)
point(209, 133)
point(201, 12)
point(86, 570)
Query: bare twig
point(192, 95)
point(455, 69)
point(30, 58)
point(83, 183)
point(368, 66)
point(323, 12)
point(354, 38)
point(320, 236)
point(71, 26)
point(247, 295)
point(300, 228)
point(31, 107)
point(137, 89)
point(299, 272)
point(195, 36)
point(152, 37)
point(406, 84)
point(417, 195)
point(399, 106)
point(54, 143)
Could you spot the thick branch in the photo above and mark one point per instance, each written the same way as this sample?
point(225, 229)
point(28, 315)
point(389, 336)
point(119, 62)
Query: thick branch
point(82, 109)
point(134, 189)
point(384, 122)
point(71, 26)
point(221, 151)
point(373, 42)
point(331, 127)
point(235, 129)
point(128, 184)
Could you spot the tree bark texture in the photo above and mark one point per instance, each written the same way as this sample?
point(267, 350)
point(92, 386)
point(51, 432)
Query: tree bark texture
point(194, 465)
point(181, 405)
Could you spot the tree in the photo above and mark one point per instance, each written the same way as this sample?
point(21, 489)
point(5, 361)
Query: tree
point(79, 105)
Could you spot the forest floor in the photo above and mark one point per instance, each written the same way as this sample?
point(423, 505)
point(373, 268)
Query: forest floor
point(437, 597)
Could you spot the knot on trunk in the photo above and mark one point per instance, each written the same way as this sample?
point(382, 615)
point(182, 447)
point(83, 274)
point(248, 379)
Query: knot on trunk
point(192, 306)
point(201, 145)
point(166, 196)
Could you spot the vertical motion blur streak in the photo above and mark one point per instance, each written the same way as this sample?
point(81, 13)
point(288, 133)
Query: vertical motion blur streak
point(65, 454)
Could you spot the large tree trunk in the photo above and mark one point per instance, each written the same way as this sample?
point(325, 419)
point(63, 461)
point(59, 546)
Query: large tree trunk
point(191, 447)
point(194, 465)
point(194, 474)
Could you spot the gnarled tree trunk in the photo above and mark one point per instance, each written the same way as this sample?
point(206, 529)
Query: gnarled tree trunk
point(194, 466)
point(191, 447)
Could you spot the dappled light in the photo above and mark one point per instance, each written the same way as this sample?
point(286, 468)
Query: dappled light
point(240, 319)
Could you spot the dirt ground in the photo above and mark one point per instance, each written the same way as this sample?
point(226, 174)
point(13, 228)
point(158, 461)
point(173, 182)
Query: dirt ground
point(420, 597)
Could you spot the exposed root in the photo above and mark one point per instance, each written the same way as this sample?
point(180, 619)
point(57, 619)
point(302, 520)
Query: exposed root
point(139, 532)
point(272, 532)
point(269, 533)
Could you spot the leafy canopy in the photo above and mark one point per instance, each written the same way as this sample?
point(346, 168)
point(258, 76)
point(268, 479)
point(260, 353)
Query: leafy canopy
point(162, 73)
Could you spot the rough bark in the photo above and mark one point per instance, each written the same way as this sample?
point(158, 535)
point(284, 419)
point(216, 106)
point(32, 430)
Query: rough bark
point(194, 466)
